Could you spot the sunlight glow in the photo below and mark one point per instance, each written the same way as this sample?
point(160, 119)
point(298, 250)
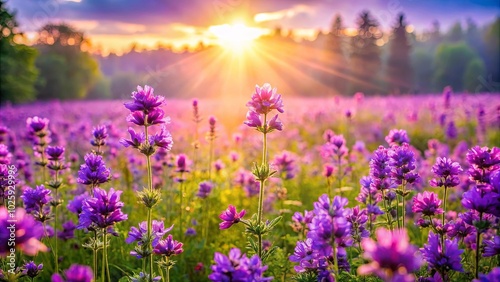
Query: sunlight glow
point(236, 36)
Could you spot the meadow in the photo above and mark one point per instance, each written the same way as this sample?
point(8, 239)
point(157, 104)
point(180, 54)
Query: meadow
point(395, 188)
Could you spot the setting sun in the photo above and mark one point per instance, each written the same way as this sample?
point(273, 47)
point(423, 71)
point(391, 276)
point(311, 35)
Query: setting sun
point(236, 36)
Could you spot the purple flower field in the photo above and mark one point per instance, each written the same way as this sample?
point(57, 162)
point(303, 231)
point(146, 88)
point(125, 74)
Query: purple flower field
point(274, 188)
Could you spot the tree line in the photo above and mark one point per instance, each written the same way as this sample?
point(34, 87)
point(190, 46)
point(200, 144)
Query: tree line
point(59, 66)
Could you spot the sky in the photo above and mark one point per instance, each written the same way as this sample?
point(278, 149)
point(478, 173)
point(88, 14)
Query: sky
point(113, 25)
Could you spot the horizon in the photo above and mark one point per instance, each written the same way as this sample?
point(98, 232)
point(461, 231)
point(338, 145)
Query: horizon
point(173, 24)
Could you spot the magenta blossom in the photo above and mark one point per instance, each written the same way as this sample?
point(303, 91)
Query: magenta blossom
point(265, 99)
point(230, 216)
point(427, 203)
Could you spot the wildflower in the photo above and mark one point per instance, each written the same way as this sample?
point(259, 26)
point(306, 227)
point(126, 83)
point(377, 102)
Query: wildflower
point(446, 173)
point(32, 270)
point(265, 99)
point(168, 247)
point(28, 233)
point(427, 203)
point(494, 275)
point(76, 205)
point(286, 164)
point(402, 161)
point(237, 267)
point(204, 189)
point(37, 126)
point(144, 100)
point(136, 139)
point(94, 171)
point(492, 247)
point(162, 139)
point(68, 231)
point(442, 259)
point(483, 161)
point(5, 155)
point(480, 201)
point(36, 199)
point(75, 273)
point(139, 234)
point(230, 216)
point(392, 256)
point(397, 137)
point(100, 133)
point(54, 153)
point(183, 163)
point(103, 210)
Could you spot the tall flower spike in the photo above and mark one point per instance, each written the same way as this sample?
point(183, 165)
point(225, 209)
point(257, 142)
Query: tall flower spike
point(144, 100)
point(265, 99)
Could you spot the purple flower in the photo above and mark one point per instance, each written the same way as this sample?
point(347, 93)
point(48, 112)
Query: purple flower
point(391, 256)
point(183, 163)
point(451, 130)
point(68, 231)
point(139, 235)
point(5, 155)
point(265, 99)
point(380, 170)
point(76, 205)
point(274, 124)
point(480, 201)
point(136, 139)
point(32, 270)
point(442, 259)
point(305, 256)
point(301, 222)
point(36, 199)
point(397, 137)
point(483, 161)
point(168, 247)
point(162, 139)
point(358, 218)
point(75, 273)
point(55, 153)
point(28, 232)
point(204, 189)
point(37, 125)
point(286, 164)
point(328, 170)
point(460, 229)
point(402, 161)
point(427, 203)
point(237, 268)
point(494, 275)
point(144, 100)
point(103, 210)
point(446, 172)
point(492, 247)
point(100, 133)
point(253, 119)
point(94, 171)
point(230, 216)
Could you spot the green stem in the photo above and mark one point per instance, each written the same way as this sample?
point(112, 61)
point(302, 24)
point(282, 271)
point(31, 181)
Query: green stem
point(397, 211)
point(370, 225)
point(339, 173)
point(335, 261)
point(168, 268)
point(55, 228)
point(104, 254)
point(150, 187)
point(181, 220)
point(478, 250)
point(404, 203)
point(444, 215)
point(261, 190)
point(210, 155)
point(389, 221)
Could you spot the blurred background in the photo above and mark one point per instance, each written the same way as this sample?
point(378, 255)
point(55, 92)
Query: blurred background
point(103, 49)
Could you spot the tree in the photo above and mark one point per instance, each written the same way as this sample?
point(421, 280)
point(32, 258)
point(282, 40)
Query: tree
point(492, 47)
point(451, 61)
point(66, 72)
point(365, 55)
point(17, 63)
point(474, 70)
point(334, 56)
point(399, 69)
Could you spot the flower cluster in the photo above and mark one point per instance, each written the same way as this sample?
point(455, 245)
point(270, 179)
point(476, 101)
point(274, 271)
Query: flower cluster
point(140, 235)
point(392, 257)
point(263, 101)
point(36, 202)
point(286, 164)
point(237, 267)
point(442, 258)
point(94, 172)
point(103, 210)
point(28, 233)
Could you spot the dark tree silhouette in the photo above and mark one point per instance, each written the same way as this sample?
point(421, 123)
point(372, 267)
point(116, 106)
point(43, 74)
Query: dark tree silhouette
point(365, 55)
point(399, 69)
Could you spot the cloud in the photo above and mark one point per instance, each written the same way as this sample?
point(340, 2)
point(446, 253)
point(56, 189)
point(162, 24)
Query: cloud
point(282, 14)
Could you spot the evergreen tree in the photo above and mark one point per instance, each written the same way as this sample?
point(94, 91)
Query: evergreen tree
point(335, 56)
point(399, 69)
point(365, 55)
